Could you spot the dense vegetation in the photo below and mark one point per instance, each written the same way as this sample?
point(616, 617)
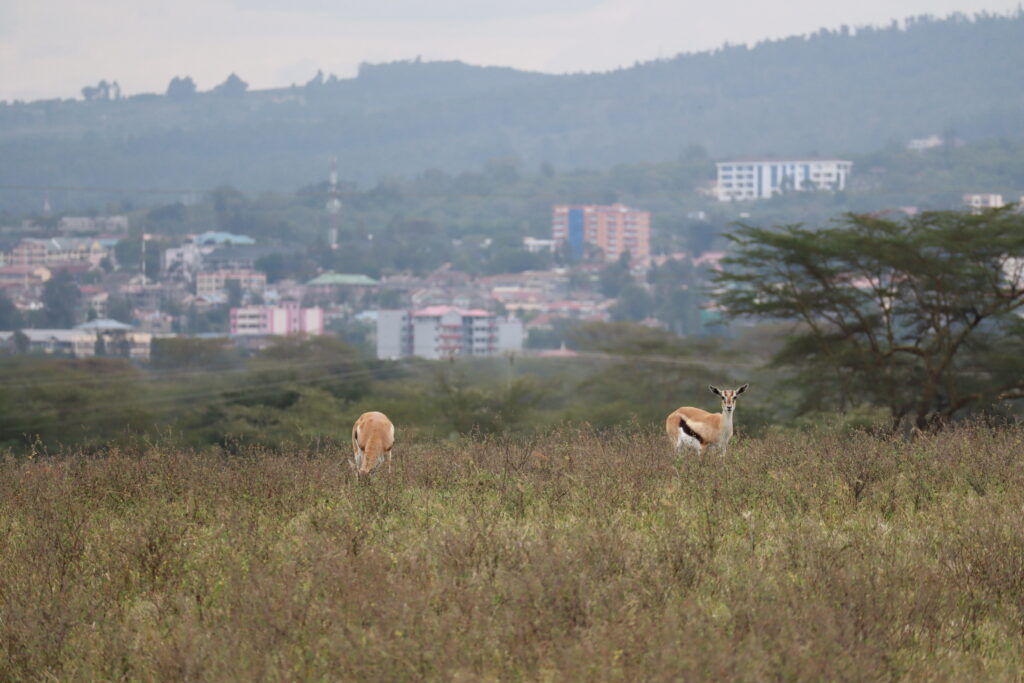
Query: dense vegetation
point(198, 393)
point(921, 315)
point(476, 220)
point(575, 556)
point(835, 92)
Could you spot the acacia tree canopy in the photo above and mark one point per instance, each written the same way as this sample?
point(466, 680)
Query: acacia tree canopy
point(920, 315)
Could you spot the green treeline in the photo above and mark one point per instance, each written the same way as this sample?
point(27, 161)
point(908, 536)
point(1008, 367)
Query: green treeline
point(475, 220)
point(202, 392)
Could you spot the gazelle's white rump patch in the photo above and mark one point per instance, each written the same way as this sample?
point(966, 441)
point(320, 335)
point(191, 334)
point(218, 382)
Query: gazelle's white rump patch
point(687, 441)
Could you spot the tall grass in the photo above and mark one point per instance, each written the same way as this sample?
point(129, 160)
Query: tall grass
point(576, 556)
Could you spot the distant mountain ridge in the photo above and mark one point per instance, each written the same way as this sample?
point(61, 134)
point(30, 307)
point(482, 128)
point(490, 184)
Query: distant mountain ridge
point(834, 92)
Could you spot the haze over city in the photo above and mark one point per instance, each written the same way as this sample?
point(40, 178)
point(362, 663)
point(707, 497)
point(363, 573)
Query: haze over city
point(53, 48)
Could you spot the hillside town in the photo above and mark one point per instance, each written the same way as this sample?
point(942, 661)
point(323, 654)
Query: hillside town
point(94, 285)
point(211, 285)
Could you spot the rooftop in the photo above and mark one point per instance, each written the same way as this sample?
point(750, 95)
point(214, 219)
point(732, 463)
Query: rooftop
point(343, 280)
point(47, 334)
point(104, 324)
point(214, 237)
point(437, 311)
point(789, 160)
point(71, 243)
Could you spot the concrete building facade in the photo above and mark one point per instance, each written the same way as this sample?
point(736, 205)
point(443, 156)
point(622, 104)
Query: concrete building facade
point(215, 282)
point(445, 332)
point(614, 229)
point(56, 250)
point(287, 319)
point(109, 337)
point(763, 179)
point(978, 202)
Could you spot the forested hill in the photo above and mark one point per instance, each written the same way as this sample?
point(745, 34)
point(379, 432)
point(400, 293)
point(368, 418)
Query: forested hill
point(836, 92)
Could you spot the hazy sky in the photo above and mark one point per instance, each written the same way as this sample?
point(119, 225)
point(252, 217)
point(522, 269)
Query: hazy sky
point(51, 48)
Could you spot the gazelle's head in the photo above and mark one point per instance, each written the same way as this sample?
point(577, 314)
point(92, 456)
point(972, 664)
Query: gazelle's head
point(728, 397)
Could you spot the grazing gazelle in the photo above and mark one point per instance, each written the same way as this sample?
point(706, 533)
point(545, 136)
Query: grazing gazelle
point(373, 436)
point(698, 429)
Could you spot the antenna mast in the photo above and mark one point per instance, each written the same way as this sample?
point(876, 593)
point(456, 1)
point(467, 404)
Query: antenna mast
point(333, 204)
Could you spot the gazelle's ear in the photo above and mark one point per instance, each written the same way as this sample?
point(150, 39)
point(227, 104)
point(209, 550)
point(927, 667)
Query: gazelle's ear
point(715, 390)
point(742, 389)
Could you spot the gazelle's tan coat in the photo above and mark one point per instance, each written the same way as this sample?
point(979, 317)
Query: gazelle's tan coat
point(698, 429)
point(373, 436)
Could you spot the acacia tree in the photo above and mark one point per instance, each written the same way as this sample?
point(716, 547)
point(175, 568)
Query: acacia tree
point(920, 315)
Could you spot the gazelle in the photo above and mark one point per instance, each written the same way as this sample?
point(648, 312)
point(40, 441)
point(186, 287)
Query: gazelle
point(698, 429)
point(373, 436)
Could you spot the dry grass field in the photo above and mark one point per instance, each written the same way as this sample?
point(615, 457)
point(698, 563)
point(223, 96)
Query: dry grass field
point(578, 556)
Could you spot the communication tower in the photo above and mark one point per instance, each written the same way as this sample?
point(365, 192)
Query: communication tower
point(333, 204)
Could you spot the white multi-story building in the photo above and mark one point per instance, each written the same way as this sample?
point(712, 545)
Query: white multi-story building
point(185, 259)
point(446, 331)
point(980, 202)
point(56, 250)
point(535, 245)
point(215, 282)
point(762, 179)
point(286, 319)
point(94, 224)
point(394, 334)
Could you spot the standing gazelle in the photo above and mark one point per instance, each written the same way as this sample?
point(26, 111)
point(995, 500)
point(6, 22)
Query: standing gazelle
point(698, 429)
point(373, 436)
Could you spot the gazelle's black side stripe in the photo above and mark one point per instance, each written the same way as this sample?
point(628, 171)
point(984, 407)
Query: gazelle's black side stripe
point(689, 432)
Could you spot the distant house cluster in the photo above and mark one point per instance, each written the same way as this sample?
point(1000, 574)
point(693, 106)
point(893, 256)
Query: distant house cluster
point(95, 338)
point(216, 282)
point(747, 179)
point(446, 332)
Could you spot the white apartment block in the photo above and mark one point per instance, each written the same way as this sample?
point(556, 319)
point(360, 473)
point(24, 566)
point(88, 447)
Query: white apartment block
point(54, 250)
point(94, 224)
point(394, 334)
point(446, 331)
point(186, 259)
point(287, 319)
point(980, 202)
point(762, 179)
point(215, 282)
point(535, 245)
